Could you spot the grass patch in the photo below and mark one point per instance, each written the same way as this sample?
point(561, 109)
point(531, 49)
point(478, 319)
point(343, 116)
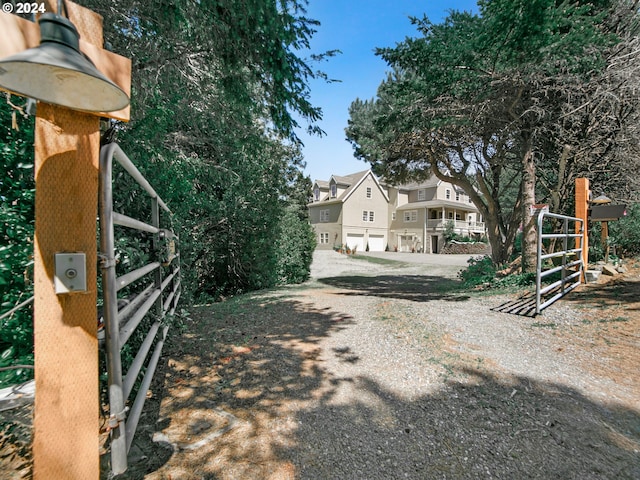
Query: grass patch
point(380, 261)
point(613, 320)
point(544, 325)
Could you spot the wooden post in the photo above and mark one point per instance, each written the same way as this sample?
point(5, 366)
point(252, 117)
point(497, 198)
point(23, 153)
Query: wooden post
point(67, 145)
point(66, 419)
point(582, 211)
point(604, 238)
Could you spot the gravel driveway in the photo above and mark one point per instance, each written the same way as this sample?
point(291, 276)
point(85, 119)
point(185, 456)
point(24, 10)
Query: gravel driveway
point(329, 263)
point(384, 369)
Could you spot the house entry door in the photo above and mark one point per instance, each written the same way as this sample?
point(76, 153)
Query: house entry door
point(434, 244)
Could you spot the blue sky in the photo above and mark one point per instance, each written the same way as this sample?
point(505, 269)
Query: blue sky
point(356, 27)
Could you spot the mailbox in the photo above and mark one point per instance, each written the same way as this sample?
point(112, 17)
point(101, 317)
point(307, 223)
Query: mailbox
point(605, 213)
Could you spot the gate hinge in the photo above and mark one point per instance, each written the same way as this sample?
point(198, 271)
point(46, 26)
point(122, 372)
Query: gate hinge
point(106, 262)
point(116, 418)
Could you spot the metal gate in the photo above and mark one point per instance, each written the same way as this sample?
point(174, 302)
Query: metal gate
point(119, 324)
point(570, 265)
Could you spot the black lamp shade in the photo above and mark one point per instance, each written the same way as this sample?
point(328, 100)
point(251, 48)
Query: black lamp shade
point(57, 72)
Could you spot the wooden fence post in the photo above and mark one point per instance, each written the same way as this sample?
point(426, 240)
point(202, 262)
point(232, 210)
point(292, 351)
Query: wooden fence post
point(67, 145)
point(582, 211)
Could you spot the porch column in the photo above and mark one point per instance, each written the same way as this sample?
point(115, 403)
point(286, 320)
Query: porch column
point(424, 230)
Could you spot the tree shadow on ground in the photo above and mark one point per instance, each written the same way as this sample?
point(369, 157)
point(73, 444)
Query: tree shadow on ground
point(487, 429)
point(246, 394)
point(231, 372)
point(417, 288)
point(624, 290)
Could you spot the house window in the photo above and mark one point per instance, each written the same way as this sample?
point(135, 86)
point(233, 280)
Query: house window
point(324, 215)
point(447, 194)
point(450, 215)
point(316, 193)
point(368, 192)
point(411, 216)
point(371, 216)
point(422, 195)
point(324, 237)
point(457, 196)
point(393, 215)
point(334, 190)
point(367, 216)
point(458, 217)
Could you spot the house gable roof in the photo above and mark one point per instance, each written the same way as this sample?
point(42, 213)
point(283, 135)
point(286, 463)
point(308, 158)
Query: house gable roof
point(352, 182)
point(354, 186)
point(432, 181)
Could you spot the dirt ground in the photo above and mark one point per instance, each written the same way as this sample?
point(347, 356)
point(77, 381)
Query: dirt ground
point(247, 391)
point(242, 388)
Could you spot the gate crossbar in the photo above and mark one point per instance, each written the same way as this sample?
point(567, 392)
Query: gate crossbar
point(123, 425)
point(571, 271)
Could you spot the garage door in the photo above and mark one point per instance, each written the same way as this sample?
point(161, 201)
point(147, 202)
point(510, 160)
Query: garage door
point(354, 240)
point(376, 243)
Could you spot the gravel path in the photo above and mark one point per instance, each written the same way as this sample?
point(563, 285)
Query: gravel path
point(385, 371)
point(331, 264)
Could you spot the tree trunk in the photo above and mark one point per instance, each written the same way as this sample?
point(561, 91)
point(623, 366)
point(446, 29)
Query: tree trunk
point(500, 250)
point(529, 237)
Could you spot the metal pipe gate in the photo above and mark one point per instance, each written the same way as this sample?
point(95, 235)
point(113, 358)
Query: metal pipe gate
point(163, 293)
point(571, 271)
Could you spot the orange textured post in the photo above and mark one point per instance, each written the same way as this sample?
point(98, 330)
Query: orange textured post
point(582, 211)
point(66, 418)
point(66, 415)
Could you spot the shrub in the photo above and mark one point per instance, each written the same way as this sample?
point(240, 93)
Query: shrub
point(625, 233)
point(480, 270)
point(515, 280)
point(449, 233)
point(296, 244)
point(16, 240)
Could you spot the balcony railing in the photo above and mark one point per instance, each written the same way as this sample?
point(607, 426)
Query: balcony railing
point(440, 224)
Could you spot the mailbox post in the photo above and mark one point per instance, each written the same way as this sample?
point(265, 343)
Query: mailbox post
point(601, 211)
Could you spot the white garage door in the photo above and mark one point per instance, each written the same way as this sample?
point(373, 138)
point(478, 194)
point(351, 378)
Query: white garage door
point(376, 243)
point(355, 240)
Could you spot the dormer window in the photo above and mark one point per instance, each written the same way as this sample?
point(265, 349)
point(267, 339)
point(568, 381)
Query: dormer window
point(457, 196)
point(334, 190)
point(316, 194)
point(447, 194)
point(422, 195)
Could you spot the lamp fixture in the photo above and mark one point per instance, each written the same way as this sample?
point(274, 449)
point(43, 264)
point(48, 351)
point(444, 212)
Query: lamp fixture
point(601, 200)
point(57, 72)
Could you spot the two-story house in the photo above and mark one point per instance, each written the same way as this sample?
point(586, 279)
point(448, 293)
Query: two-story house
point(350, 210)
point(361, 211)
point(420, 213)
